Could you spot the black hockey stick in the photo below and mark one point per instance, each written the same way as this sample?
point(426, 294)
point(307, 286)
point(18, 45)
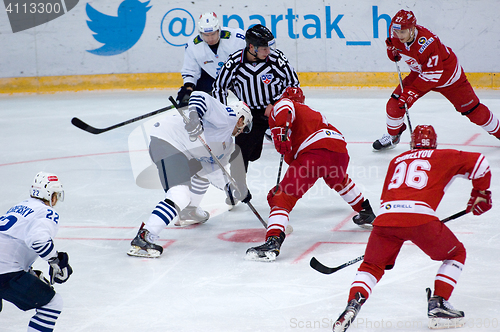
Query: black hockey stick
point(315, 264)
point(93, 130)
point(406, 106)
point(285, 137)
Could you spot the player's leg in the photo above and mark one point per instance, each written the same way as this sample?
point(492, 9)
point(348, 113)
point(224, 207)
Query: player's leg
point(338, 179)
point(381, 251)
point(175, 171)
point(439, 243)
point(301, 175)
point(251, 143)
point(462, 96)
point(27, 291)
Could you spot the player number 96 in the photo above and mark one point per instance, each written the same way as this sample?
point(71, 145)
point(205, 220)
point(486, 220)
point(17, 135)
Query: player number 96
point(33, 8)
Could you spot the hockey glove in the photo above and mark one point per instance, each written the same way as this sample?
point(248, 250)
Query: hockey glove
point(194, 127)
point(59, 269)
point(392, 52)
point(183, 95)
point(479, 202)
point(281, 140)
point(408, 97)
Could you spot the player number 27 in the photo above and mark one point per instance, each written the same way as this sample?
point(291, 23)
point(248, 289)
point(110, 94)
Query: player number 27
point(413, 175)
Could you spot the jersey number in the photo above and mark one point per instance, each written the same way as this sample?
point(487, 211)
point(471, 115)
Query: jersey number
point(413, 175)
point(433, 61)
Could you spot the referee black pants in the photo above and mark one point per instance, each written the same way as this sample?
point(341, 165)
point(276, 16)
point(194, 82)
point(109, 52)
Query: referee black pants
point(251, 143)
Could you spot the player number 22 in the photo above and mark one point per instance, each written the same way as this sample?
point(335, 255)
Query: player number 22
point(413, 175)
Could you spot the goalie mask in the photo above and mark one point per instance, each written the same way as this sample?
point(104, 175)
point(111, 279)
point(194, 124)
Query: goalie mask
point(294, 94)
point(424, 137)
point(45, 185)
point(242, 110)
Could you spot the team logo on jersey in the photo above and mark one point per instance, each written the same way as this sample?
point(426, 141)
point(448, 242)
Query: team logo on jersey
point(266, 78)
point(388, 206)
point(425, 44)
point(422, 40)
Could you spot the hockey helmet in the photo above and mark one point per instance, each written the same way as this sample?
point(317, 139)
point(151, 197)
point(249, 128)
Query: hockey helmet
point(45, 185)
point(294, 94)
point(242, 110)
point(259, 35)
point(403, 20)
point(424, 137)
point(208, 22)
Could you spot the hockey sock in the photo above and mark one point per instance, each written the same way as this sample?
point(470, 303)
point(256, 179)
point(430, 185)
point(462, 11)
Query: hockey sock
point(350, 193)
point(45, 318)
point(277, 222)
point(364, 283)
point(164, 212)
point(394, 117)
point(446, 278)
point(199, 187)
point(483, 117)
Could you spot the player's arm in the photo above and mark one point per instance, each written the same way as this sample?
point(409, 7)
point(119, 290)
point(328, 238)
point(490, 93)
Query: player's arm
point(480, 174)
point(280, 121)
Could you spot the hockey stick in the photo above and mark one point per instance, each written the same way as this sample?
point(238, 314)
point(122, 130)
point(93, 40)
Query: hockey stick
point(217, 161)
point(88, 128)
point(315, 264)
point(406, 106)
point(282, 156)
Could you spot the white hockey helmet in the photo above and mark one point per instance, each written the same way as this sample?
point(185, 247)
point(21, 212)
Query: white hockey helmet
point(242, 110)
point(208, 22)
point(46, 184)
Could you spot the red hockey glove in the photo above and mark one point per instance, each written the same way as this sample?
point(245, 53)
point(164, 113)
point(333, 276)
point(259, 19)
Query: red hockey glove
point(479, 202)
point(392, 52)
point(408, 97)
point(282, 143)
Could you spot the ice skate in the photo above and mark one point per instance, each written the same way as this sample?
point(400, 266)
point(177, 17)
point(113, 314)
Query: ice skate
point(442, 315)
point(192, 215)
point(365, 217)
point(351, 311)
point(386, 142)
point(143, 246)
point(268, 251)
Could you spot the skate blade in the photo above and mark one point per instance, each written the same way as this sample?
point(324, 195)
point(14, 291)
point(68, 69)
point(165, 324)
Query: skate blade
point(184, 223)
point(446, 323)
point(385, 149)
point(366, 226)
point(253, 256)
point(138, 252)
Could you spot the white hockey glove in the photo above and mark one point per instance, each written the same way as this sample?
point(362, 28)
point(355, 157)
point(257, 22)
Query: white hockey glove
point(59, 270)
point(194, 127)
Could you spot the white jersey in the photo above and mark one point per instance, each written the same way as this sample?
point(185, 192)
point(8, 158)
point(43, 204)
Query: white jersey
point(218, 121)
point(26, 233)
point(198, 54)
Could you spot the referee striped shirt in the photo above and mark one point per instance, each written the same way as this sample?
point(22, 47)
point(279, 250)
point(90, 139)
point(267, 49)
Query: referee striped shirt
point(256, 83)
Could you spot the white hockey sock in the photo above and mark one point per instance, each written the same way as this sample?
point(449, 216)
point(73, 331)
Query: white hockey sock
point(45, 318)
point(199, 187)
point(278, 219)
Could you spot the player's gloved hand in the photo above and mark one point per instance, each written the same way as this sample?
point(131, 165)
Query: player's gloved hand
point(59, 269)
point(408, 97)
point(183, 95)
point(282, 141)
point(392, 51)
point(194, 127)
point(479, 202)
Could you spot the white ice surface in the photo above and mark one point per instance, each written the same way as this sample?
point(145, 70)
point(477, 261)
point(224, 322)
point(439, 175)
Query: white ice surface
point(202, 282)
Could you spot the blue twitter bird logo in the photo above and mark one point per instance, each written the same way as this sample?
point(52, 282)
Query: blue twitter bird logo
point(118, 33)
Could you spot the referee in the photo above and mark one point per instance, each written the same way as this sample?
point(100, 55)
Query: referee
point(257, 75)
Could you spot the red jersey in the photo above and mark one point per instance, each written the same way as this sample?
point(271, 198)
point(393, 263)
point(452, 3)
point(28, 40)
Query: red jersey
point(435, 64)
point(308, 129)
point(417, 179)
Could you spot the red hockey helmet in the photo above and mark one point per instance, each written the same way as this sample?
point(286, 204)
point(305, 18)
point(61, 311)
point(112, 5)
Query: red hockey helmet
point(403, 20)
point(424, 137)
point(294, 94)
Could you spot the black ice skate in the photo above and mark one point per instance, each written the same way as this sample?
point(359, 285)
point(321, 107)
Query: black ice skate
point(386, 142)
point(268, 251)
point(442, 315)
point(192, 215)
point(365, 217)
point(143, 246)
point(351, 311)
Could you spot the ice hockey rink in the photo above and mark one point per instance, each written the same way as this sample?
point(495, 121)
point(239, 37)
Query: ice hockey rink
point(202, 281)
